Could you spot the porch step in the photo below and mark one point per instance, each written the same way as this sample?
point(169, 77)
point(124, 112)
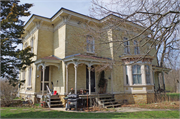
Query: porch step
point(54, 101)
point(113, 106)
point(107, 101)
point(56, 105)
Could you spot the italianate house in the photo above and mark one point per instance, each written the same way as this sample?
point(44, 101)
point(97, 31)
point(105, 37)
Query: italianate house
point(69, 58)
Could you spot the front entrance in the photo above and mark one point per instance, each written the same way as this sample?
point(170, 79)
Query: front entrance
point(46, 78)
point(92, 79)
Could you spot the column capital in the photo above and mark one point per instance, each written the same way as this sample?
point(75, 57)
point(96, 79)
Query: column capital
point(66, 66)
point(75, 66)
point(89, 68)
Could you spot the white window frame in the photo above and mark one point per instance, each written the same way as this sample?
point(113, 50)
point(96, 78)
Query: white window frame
point(30, 77)
point(90, 44)
point(126, 76)
point(136, 73)
point(126, 46)
point(136, 47)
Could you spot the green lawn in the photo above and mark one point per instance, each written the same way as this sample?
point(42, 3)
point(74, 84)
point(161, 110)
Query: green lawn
point(32, 113)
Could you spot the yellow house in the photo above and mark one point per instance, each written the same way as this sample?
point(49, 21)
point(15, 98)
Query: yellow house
point(69, 56)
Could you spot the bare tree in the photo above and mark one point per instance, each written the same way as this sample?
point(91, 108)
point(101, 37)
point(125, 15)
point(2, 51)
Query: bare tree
point(161, 17)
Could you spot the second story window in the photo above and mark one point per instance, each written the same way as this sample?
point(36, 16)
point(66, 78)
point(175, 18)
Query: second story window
point(126, 46)
point(136, 47)
point(90, 44)
point(32, 45)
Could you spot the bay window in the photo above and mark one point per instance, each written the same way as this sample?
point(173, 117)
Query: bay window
point(147, 68)
point(136, 72)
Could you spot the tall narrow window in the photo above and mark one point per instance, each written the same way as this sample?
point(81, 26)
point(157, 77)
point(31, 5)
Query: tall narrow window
point(136, 74)
point(126, 75)
point(136, 47)
point(126, 46)
point(30, 73)
point(90, 44)
point(147, 74)
point(32, 45)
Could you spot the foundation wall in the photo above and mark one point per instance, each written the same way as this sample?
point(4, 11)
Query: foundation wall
point(135, 98)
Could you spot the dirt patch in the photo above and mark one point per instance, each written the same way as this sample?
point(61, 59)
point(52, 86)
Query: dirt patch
point(159, 105)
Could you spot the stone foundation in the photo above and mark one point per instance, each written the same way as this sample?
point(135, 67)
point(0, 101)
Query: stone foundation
point(135, 98)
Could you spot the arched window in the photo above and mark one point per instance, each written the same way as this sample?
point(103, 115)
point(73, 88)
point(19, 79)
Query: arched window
point(147, 74)
point(136, 72)
point(90, 44)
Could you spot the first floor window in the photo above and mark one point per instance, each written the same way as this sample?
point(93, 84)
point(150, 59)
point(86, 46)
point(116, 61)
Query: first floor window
point(126, 75)
point(30, 73)
point(147, 74)
point(136, 72)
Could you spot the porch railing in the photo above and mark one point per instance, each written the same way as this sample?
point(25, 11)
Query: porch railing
point(48, 101)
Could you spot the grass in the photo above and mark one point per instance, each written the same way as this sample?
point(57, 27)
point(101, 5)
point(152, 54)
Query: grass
point(7, 112)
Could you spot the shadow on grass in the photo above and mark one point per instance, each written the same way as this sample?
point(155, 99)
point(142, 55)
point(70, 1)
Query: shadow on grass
point(61, 114)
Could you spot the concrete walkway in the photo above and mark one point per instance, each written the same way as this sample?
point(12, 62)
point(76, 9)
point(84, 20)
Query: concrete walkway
point(120, 109)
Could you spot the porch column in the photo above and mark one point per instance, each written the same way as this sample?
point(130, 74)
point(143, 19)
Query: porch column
point(163, 81)
point(67, 79)
point(43, 68)
point(89, 70)
point(75, 67)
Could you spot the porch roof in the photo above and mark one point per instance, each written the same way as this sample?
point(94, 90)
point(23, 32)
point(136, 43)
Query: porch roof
point(86, 57)
point(48, 60)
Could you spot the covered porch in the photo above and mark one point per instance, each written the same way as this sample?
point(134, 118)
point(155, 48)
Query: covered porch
point(76, 73)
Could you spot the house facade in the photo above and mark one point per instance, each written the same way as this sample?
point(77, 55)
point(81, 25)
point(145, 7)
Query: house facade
point(68, 56)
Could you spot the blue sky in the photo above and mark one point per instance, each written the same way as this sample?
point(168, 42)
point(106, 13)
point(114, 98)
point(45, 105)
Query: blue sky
point(48, 8)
